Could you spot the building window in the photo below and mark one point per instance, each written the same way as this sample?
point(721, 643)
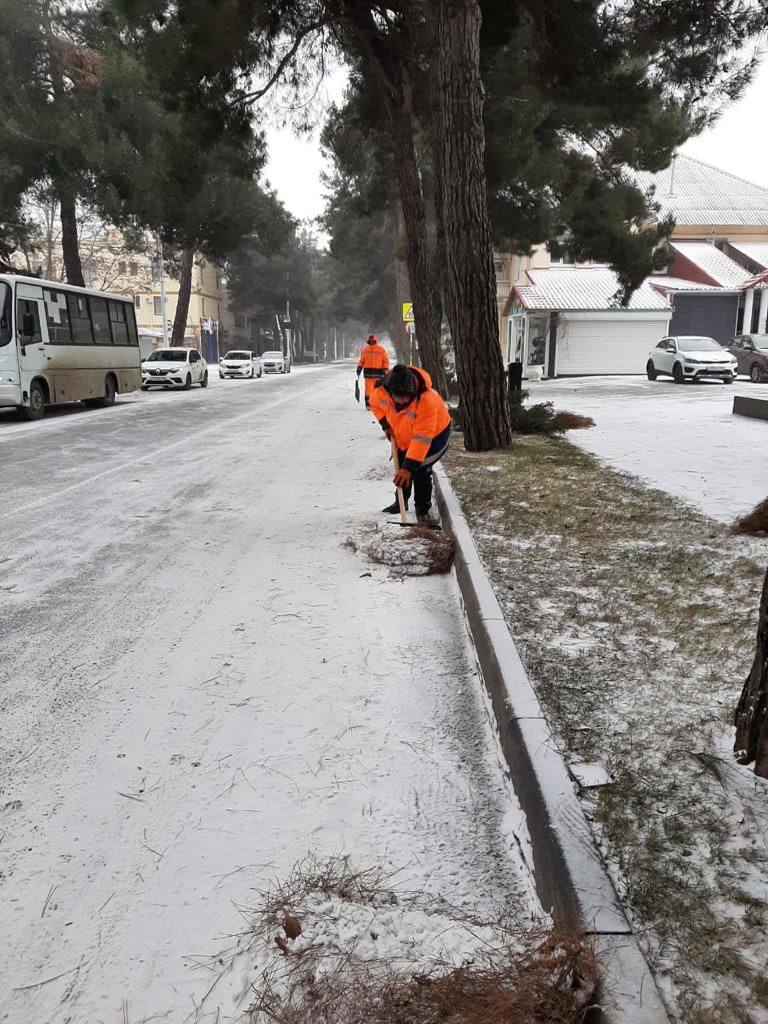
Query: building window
point(121, 268)
point(137, 301)
point(239, 320)
point(134, 268)
point(158, 305)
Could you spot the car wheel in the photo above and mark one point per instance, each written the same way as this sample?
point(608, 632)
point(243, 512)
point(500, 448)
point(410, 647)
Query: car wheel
point(755, 373)
point(144, 387)
point(651, 370)
point(677, 374)
point(221, 376)
point(728, 380)
point(36, 408)
point(204, 381)
point(260, 373)
point(188, 382)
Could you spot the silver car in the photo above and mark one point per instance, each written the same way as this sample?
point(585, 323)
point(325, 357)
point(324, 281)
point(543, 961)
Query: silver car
point(691, 357)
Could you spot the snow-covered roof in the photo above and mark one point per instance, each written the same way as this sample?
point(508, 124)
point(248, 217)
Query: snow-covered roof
point(697, 193)
point(665, 283)
point(721, 269)
point(582, 288)
point(755, 251)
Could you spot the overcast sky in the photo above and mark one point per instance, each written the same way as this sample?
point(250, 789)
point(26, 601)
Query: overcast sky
point(737, 143)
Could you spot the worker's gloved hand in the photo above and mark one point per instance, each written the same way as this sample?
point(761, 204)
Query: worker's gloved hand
point(387, 432)
point(359, 371)
point(402, 478)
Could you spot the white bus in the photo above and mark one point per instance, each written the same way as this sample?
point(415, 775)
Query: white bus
point(61, 344)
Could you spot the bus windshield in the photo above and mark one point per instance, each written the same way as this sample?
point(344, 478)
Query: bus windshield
point(5, 313)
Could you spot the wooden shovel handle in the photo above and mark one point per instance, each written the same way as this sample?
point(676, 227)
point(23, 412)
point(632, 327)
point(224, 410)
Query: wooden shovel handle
point(400, 496)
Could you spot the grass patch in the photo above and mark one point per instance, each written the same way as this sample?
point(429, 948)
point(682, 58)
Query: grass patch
point(636, 618)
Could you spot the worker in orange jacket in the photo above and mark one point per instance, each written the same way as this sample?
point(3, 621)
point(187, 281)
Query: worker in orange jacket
point(373, 364)
point(410, 410)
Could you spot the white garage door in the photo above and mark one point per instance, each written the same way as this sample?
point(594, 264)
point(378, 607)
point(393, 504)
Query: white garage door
point(615, 343)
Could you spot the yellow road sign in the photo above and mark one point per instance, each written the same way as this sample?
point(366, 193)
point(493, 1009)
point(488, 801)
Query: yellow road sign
point(408, 317)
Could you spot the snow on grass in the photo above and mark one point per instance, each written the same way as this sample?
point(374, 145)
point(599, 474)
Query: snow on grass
point(636, 618)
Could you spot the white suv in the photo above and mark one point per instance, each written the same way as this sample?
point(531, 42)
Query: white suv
point(240, 364)
point(276, 362)
point(691, 357)
point(174, 368)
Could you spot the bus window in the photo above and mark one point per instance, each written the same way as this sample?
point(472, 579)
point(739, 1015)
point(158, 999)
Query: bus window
point(117, 320)
point(100, 320)
point(57, 316)
point(28, 321)
point(130, 316)
point(5, 313)
point(80, 319)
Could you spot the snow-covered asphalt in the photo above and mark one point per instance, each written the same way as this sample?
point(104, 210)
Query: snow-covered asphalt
point(684, 440)
point(200, 684)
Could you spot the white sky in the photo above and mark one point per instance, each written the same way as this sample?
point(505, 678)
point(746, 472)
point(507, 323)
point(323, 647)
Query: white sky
point(737, 143)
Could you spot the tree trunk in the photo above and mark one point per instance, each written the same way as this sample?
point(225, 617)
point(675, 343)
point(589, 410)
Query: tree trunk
point(751, 718)
point(468, 272)
point(185, 293)
point(425, 297)
point(402, 285)
point(70, 246)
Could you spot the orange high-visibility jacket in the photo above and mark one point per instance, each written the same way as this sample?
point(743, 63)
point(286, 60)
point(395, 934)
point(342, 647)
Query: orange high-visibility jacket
point(416, 425)
point(374, 361)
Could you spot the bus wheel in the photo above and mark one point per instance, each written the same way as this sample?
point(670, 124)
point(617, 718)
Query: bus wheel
point(110, 391)
point(36, 408)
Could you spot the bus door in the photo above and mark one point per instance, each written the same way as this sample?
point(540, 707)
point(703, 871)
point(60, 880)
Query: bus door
point(31, 333)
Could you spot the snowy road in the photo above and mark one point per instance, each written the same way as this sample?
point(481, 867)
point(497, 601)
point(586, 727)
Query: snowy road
point(684, 440)
point(200, 684)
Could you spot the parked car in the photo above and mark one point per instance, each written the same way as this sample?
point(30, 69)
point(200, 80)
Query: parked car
point(689, 357)
point(751, 352)
point(240, 364)
point(276, 362)
point(174, 368)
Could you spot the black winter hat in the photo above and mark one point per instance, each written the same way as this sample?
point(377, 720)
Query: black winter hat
point(401, 381)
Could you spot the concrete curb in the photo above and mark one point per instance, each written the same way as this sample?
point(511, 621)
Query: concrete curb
point(571, 878)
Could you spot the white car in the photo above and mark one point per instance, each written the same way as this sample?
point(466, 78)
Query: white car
point(240, 364)
point(276, 362)
point(690, 357)
point(174, 368)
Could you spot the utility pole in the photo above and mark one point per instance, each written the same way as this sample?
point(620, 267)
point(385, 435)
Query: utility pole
point(161, 274)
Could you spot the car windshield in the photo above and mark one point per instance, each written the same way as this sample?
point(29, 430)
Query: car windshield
point(238, 355)
point(168, 355)
point(5, 313)
point(760, 341)
point(272, 355)
point(698, 345)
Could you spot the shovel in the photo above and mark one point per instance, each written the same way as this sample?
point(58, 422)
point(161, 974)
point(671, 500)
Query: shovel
point(357, 389)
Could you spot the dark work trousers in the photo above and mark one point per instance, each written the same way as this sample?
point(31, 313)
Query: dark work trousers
point(422, 478)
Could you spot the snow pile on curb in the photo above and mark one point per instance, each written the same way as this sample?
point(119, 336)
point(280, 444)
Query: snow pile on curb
point(414, 551)
point(333, 945)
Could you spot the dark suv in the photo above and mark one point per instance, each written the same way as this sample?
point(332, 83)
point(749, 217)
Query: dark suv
point(751, 351)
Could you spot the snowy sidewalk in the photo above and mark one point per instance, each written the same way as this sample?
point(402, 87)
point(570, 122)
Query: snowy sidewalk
point(684, 440)
point(205, 685)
